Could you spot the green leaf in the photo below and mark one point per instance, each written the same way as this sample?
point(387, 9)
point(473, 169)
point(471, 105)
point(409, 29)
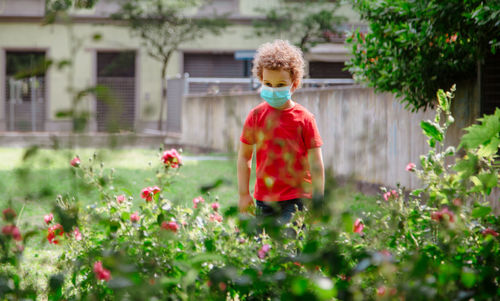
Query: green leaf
point(488, 180)
point(467, 166)
point(432, 130)
point(125, 216)
point(299, 286)
point(468, 278)
point(480, 212)
point(484, 133)
point(490, 148)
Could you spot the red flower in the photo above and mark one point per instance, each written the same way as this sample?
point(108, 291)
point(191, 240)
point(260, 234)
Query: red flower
point(48, 218)
point(410, 167)
point(12, 230)
point(9, 214)
point(54, 230)
point(439, 215)
point(120, 199)
point(263, 251)
point(148, 193)
point(216, 217)
point(215, 206)
point(135, 217)
point(489, 231)
point(381, 290)
point(77, 234)
point(391, 195)
point(100, 272)
point(197, 201)
point(171, 158)
point(171, 226)
point(358, 226)
point(222, 286)
point(75, 162)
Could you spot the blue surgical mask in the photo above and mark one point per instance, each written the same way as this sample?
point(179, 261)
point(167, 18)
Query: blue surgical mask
point(276, 97)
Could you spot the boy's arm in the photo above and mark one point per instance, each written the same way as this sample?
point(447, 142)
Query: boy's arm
point(317, 170)
point(244, 165)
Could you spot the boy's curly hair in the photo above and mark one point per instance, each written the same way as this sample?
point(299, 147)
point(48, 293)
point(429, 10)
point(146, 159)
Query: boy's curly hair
point(278, 55)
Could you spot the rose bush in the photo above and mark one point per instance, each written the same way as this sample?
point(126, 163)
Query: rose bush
point(439, 242)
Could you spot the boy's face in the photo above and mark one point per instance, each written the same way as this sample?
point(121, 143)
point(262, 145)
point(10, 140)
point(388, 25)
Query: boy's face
point(277, 79)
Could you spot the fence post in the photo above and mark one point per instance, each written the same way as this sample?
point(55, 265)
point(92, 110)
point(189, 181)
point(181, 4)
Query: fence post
point(33, 103)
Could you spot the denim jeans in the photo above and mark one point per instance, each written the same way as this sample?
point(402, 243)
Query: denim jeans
point(281, 210)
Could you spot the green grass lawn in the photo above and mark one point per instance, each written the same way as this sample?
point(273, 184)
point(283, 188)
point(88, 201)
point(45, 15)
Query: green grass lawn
point(33, 184)
point(32, 179)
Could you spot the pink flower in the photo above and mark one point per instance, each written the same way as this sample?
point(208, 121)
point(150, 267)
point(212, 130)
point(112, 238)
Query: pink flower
point(358, 226)
point(263, 251)
point(410, 167)
point(12, 230)
point(48, 218)
point(222, 286)
point(75, 162)
point(215, 206)
point(381, 290)
point(171, 226)
point(489, 231)
point(134, 217)
point(100, 272)
point(171, 158)
point(216, 217)
point(9, 214)
point(439, 215)
point(120, 199)
point(197, 201)
point(148, 193)
point(77, 234)
point(391, 195)
point(54, 230)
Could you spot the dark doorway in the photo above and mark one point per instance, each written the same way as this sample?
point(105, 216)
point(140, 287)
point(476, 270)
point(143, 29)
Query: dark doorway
point(116, 101)
point(25, 88)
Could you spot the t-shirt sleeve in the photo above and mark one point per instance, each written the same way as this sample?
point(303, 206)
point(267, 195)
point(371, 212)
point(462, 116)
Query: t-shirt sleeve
point(248, 133)
point(312, 139)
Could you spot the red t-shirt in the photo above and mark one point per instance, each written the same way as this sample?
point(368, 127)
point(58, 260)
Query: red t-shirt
point(282, 139)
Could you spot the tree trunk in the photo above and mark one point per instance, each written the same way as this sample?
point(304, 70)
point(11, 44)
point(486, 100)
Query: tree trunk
point(163, 93)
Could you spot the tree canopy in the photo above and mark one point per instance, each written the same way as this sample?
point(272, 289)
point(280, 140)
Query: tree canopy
point(413, 48)
point(306, 23)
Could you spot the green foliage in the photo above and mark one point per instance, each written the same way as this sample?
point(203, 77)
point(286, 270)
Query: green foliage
point(164, 25)
point(310, 22)
point(413, 48)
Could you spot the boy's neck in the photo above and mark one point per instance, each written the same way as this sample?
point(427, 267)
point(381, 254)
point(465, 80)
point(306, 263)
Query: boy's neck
point(287, 105)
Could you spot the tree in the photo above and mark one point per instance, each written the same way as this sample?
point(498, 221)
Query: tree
point(413, 48)
point(163, 25)
point(310, 22)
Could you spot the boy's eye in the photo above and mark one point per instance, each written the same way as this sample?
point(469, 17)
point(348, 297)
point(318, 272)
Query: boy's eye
point(281, 85)
point(268, 84)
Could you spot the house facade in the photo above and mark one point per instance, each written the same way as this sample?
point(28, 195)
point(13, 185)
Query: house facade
point(95, 50)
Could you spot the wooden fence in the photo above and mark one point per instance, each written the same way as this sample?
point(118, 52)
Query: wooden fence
point(366, 135)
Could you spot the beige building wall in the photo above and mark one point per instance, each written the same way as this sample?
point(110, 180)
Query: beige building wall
point(27, 33)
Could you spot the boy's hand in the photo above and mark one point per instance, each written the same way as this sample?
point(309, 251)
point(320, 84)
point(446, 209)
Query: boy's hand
point(245, 203)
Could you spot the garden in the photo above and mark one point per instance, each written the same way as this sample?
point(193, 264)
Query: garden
point(170, 229)
point(163, 223)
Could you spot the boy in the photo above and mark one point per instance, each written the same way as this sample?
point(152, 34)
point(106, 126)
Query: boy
point(286, 138)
